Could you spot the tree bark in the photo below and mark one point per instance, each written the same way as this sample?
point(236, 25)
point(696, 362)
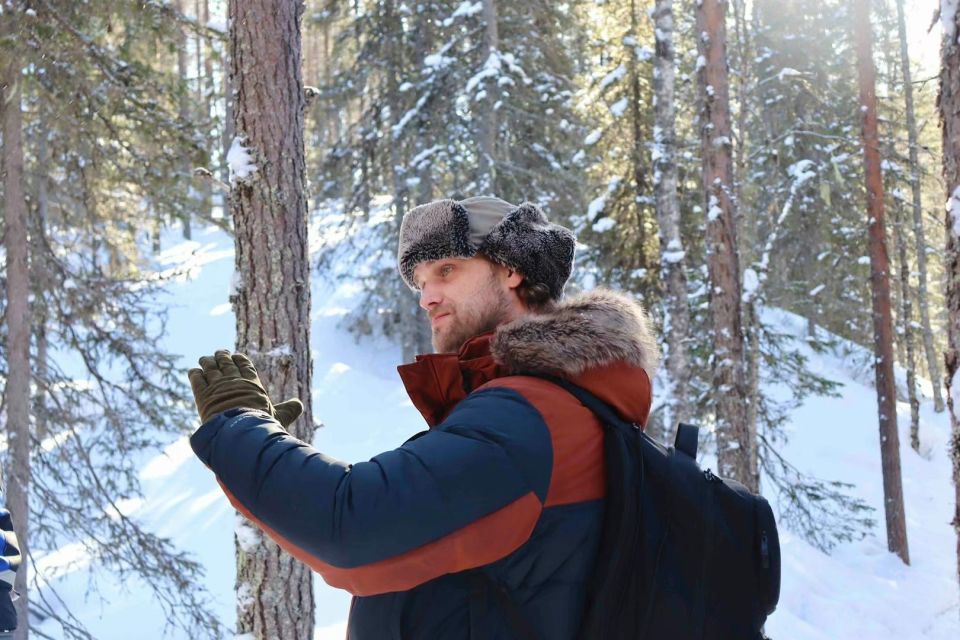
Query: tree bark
point(639, 151)
point(228, 109)
point(949, 103)
point(272, 299)
point(673, 272)
point(487, 178)
point(932, 366)
point(206, 188)
point(880, 290)
point(183, 112)
point(17, 389)
point(408, 311)
point(736, 445)
point(906, 328)
point(746, 222)
point(40, 280)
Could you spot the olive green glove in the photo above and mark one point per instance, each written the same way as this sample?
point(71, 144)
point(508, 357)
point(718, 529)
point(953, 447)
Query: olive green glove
point(230, 381)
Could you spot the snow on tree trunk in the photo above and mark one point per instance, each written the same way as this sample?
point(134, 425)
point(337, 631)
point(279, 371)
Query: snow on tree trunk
point(736, 444)
point(486, 183)
point(880, 290)
point(673, 273)
point(17, 391)
point(949, 102)
point(268, 204)
point(931, 356)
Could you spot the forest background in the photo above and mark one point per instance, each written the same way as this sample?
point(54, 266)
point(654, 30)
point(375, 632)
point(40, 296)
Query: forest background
point(709, 155)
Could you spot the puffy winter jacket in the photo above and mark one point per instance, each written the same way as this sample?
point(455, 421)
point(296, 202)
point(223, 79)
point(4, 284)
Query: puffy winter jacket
point(509, 478)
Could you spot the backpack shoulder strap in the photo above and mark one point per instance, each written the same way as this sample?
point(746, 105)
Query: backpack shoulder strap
point(601, 409)
point(686, 441)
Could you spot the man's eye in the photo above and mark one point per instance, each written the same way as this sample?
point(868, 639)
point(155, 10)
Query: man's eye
point(445, 269)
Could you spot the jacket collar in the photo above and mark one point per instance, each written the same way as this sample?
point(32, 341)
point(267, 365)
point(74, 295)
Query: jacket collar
point(600, 340)
point(437, 382)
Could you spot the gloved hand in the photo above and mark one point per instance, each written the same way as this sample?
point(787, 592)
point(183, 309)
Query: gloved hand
point(230, 381)
point(9, 563)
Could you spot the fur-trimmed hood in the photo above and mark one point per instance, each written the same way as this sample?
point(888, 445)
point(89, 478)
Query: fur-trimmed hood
point(600, 340)
point(587, 331)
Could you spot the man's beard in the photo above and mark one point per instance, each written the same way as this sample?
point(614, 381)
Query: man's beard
point(489, 308)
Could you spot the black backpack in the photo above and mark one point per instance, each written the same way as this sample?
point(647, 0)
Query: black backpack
point(684, 554)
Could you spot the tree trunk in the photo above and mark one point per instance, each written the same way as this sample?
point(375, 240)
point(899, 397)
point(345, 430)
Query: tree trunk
point(736, 445)
point(487, 178)
point(949, 102)
point(206, 188)
point(673, 273)
point(932, 366)
point(272, 301)
point(408, 311)
point(183, 112)
point(639, 144)
point(40, 280)
point(880, 290)
point(228, 109)
point(746, 223)
point(742, 35)
point(906, 327)
point(17, 391)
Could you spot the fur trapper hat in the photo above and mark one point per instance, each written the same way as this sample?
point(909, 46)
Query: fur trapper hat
point(518, 237)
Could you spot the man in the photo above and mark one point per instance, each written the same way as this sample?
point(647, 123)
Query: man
point(509, 479)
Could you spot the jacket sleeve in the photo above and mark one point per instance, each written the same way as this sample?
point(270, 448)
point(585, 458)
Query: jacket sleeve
point(465, 494)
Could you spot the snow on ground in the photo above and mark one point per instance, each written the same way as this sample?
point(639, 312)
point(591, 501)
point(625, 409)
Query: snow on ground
point(860, 591)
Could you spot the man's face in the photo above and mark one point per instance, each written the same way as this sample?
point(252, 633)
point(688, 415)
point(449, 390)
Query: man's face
point(465, 298)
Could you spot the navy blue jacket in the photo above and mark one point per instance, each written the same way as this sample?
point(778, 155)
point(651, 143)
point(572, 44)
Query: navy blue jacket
point(508, 479)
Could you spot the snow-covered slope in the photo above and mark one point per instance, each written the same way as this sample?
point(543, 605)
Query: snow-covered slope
point(860, 591)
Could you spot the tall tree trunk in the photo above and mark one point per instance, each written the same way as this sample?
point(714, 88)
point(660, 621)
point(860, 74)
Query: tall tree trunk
point(229, 101)
point(487, 177)
point(17, 389)
point(408, 311)
point(736, 445)
point(206, 188)
point(673, 272)
point(880, 290)
point(906, 327)
point(40, 279)
point(197, 50)
point(746, 222)
point(949, 102)
point(904, 342)
point(639, 144)
point(183, 112)
point(932, 365)
point(272, 302)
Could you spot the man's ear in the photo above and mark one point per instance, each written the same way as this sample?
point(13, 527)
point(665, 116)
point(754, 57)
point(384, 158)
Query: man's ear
point(514, 278)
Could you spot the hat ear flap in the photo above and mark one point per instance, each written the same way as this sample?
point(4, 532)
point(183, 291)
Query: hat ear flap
point(527, 241)
point(433, 231)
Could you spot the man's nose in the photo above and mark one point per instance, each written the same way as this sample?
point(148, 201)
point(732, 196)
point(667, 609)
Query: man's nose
point(429, 296)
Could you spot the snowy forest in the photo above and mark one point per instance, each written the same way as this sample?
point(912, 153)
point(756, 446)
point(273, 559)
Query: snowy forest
point(776, 181)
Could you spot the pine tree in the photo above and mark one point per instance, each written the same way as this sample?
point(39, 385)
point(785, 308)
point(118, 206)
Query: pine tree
point(676, 311)
point(736, 444)
point(918, 228)
point(272, 302)
point(111, 147)
point(880, 287)
point(16, 392)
